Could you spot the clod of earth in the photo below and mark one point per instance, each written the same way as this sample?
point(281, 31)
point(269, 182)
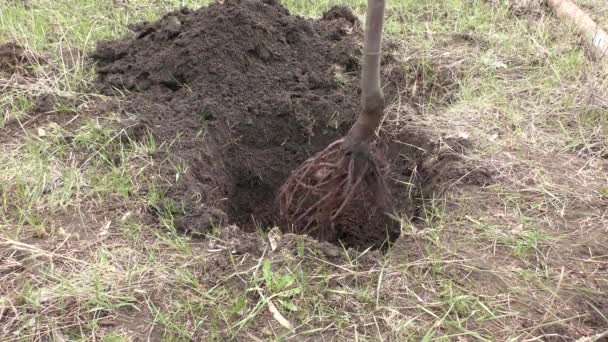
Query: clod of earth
point(237, 96)
point(13, 57)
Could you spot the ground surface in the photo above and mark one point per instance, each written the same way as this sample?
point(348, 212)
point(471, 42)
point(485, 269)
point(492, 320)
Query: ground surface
point(129, 158)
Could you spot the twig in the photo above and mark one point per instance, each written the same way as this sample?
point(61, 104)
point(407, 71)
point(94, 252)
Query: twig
point(278, 316)
point(35, 250)
point(593, 338)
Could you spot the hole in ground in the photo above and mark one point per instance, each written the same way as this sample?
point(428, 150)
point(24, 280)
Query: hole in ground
point(252, 199)
point(242, 122)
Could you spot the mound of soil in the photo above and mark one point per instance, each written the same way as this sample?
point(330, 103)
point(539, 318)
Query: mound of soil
point(243, 92)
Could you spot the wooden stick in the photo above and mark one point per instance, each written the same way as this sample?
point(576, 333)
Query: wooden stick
point(595, 37)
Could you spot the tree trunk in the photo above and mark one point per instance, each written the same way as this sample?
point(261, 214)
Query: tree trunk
point(372, 98)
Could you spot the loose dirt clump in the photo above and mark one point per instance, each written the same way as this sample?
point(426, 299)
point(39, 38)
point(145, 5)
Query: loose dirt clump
point(240, 94)
point(14, 58)
point(11, 55)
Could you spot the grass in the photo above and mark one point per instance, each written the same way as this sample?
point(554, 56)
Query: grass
point(521, 259)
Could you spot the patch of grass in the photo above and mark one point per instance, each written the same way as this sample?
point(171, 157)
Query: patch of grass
point(115, 337)
point(528, 242)
point(55, 171)
point(31, 175)
point(14, 107)
point(95, 289)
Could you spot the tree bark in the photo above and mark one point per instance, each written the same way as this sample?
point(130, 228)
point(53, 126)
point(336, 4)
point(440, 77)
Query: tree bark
point(372, 97)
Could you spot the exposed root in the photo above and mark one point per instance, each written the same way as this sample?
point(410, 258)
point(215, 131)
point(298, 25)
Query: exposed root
point(324, 186)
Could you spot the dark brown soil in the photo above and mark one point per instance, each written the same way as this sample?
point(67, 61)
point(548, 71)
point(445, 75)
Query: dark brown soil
point(14, 58)
point(11, 55)
point(239, 94)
